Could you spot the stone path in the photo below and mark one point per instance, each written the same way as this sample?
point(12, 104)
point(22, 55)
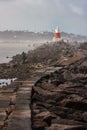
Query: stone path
point(15, 111)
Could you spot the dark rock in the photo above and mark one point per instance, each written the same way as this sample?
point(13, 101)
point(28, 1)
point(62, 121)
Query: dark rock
point(64, 95)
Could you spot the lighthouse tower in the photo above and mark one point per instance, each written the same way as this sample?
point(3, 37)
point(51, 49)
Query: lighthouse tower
point(57, 35)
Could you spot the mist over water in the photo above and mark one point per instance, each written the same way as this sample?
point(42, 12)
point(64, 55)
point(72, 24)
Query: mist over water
point(11, 49)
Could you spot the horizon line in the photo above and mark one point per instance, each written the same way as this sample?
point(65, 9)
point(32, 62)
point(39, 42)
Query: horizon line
point(41, 31)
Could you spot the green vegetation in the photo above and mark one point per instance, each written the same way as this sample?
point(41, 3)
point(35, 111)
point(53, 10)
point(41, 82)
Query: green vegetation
point(24, 58)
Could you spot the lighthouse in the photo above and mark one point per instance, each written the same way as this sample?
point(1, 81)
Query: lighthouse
point(57, 36)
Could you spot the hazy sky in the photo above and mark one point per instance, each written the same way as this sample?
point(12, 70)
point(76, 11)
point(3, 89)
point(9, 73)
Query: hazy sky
point(39, 15)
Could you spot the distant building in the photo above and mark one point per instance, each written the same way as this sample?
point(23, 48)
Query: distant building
point(57, 35)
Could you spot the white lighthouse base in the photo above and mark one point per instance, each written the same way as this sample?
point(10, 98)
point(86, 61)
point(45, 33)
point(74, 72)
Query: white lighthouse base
point(56, 39)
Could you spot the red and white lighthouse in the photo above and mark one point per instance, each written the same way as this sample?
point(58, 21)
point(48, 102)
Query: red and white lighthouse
point(57, 35)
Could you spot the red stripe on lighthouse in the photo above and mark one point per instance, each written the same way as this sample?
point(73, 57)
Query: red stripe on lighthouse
point(57, 33)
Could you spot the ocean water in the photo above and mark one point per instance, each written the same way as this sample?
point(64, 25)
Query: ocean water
point(11, 49)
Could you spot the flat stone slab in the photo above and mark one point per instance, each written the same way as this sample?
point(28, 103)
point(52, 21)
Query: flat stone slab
point(25, 88)
point(1, 124)
point(64, 127)
point(29, 84)
point(7, 95)
point(19, 124)
point(21, 113)
point(22, 106)
point(2, 115)
point(23, 92)
point(20, 120)
point(8, 91)
point(4, 103)
point(4, 97)
point(22, 101)
point(24, 96)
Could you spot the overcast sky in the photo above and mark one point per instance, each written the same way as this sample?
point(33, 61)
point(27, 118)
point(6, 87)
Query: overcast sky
point(41, 15)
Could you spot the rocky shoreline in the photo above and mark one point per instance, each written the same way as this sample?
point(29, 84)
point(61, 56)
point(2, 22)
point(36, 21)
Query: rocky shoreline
point(59, 98)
